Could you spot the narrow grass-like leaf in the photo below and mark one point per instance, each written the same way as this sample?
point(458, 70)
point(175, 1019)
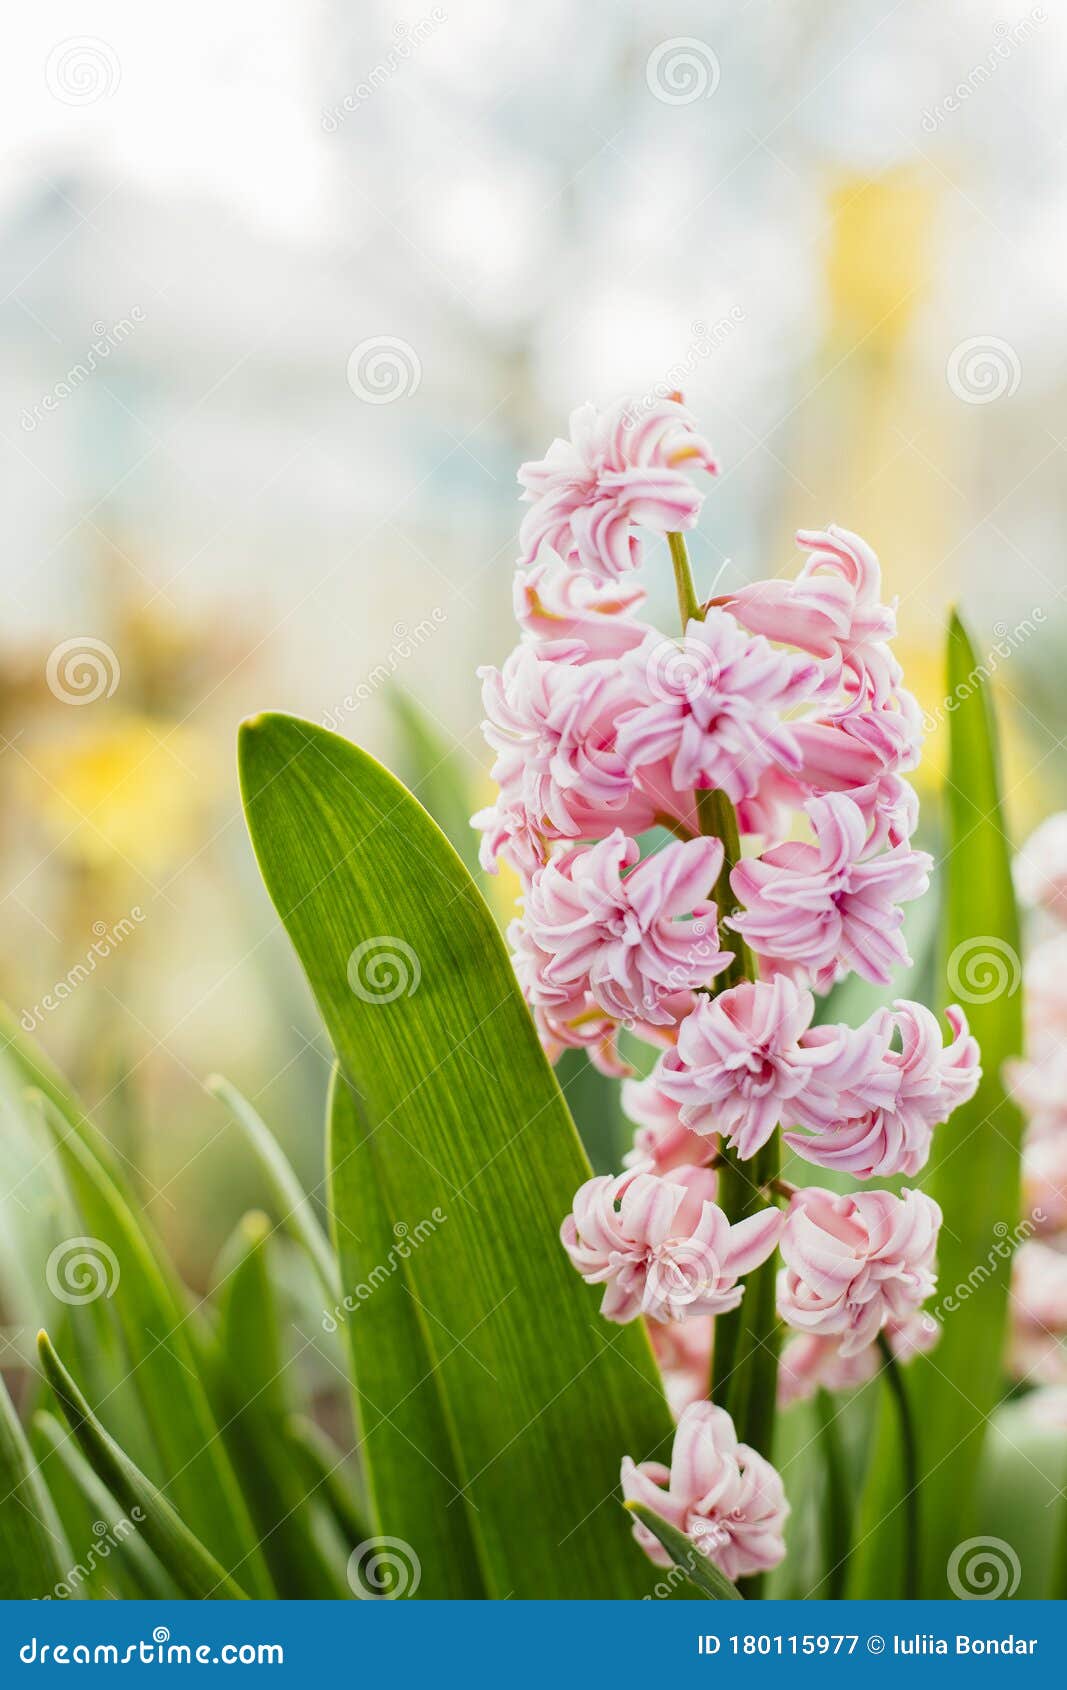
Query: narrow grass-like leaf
point(34, 1555)
point(141, 1566)
point(193, 1568)
point(192, 1463)
point(467, 1120)
point(406, 1441)
point(974, 1167)
point(295, 1211)
point(837, 1502)
point(697, 1568)
point(327, 1473)
point(252, 1370)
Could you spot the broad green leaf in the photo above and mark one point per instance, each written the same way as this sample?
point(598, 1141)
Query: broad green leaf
point(34, 1554)
point(123, 1538)
point(252, 1375)
point(439, 774)
point(192, 1463)
point(406, 1442)
point(193, 1568)
point(295, 1211)
point(973, 1171)
point(698, 1569)
point(467, 1122)
point(1021, 1506)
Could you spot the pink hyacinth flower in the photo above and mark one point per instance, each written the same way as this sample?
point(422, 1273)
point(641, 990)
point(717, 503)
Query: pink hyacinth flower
point(618, 471)
point(683, 1355)
point(662, 1136)
point(1041, 867)
point(619, 935)
point(725, 1497)
point(557, 602)
point(739, 1067)
point(855, 1263)
point(832, 609)
point(871, 1110)
point(818, 911)
point(662, 1247)
point(810, 1363)
point(710, 706)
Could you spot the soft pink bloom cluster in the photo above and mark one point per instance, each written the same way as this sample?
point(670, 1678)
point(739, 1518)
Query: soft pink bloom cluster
point(1039, 1084)
point(727, 1499)
point(784, 698)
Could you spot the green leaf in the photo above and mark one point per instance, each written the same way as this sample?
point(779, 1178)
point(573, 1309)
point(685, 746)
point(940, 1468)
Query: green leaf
point(440, 773)
point(34, 1554)
point(466, 1119)
point(406, 1441)
point(253, 1371)
point(145, 1570)
point(193, 1568)
point(295, 1210)
point(701, 1572)
point(974, 1166)
point(326, 1472)
point(149, 1309)
point(837, 1504)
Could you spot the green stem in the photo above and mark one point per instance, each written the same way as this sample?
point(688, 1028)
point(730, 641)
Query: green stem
point(909, 1462)
point(689, 608)
point(745, 1362)
point(836, 1519)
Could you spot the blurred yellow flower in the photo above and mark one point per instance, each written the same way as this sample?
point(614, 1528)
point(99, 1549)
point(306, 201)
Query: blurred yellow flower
point(132, 792)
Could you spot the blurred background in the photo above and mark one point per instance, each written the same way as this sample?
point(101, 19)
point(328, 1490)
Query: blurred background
point(287, 293)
